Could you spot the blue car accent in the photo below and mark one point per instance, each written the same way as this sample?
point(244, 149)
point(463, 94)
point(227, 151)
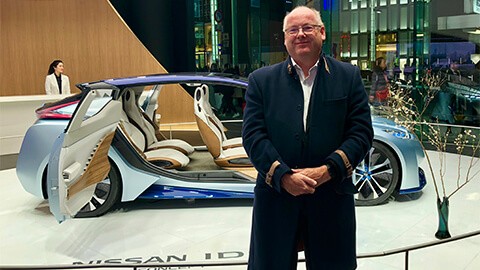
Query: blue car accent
point(422, 183)
point(166, 192)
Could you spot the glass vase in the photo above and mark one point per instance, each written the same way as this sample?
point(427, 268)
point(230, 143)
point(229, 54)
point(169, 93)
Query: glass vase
point(442, 207)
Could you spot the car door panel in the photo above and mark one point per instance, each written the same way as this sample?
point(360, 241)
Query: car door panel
point(97, 168)
point(79, 159)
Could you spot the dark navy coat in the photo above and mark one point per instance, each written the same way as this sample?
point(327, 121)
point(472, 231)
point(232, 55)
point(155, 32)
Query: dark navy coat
point(339, 118)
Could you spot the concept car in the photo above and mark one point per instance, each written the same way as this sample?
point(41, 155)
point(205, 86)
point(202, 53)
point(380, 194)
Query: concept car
point(89, 151)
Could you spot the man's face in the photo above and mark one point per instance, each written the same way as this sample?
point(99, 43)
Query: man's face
point(302, 44)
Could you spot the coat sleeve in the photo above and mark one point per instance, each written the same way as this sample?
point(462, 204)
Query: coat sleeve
point(358, 134)
point(256, 142)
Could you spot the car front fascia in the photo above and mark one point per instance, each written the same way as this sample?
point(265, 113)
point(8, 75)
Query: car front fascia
point(410, 155)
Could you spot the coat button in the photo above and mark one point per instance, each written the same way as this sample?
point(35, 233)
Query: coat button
point(297, 136)
point(299, 107)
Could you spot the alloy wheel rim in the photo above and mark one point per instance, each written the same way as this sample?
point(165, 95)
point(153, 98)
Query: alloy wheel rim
point(100, 195)
point(373, 176)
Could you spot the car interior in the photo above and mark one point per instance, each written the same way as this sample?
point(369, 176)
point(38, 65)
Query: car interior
point(167, 158)
point(153, 139)
point(150, 104)
point(141, 131)
point(212, 117)
point(224, 155)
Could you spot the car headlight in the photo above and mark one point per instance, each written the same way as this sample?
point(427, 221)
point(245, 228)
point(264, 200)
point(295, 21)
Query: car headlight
point(403, 134)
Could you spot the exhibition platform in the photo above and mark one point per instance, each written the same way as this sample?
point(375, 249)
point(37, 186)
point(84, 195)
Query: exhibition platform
point(146, 231)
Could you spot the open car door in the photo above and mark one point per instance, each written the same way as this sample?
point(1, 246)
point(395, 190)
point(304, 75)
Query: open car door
point(79, 158)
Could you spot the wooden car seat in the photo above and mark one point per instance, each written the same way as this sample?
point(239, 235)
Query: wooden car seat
point(167, 158)
point(153, 138)
point(207, 109)
point(211, 136)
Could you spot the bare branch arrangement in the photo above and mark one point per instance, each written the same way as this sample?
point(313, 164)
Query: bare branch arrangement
point(405, 112)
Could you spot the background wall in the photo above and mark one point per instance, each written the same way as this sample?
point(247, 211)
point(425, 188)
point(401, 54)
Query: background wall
point(165, 27)
point(88, 35)
point(92, 40)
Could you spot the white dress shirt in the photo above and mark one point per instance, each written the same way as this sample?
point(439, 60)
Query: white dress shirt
point(307, 86)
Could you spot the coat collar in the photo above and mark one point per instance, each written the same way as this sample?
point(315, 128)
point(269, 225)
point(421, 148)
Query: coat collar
point(322, 62)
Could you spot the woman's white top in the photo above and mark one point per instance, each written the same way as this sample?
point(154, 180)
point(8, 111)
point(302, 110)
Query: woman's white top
point(51, 85)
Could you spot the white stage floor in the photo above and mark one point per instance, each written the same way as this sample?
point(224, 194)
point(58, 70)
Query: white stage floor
point(219, 230)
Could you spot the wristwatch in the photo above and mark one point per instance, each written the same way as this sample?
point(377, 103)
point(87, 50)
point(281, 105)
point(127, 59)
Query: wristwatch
point(331, 170)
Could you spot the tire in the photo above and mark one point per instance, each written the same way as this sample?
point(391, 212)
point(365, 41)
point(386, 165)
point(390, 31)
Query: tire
point(106, 196)
point(376, 177)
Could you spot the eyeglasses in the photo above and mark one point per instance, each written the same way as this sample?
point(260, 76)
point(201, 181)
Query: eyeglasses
point(307, 29)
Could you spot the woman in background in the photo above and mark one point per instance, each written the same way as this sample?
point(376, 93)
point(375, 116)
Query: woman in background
point(57, 83)
point(379, 91)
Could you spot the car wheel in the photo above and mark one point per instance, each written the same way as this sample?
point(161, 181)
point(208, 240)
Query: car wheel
point(376, 177)
point(106, 195)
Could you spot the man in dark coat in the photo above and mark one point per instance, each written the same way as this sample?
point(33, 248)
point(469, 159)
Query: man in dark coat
point(306, 126)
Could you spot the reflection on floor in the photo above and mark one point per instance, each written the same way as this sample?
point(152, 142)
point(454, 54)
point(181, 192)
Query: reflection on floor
point(192, 231)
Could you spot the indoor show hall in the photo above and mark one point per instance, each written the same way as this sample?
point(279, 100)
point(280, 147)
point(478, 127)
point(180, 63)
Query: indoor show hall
point(121, 129)
point(204, 231)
